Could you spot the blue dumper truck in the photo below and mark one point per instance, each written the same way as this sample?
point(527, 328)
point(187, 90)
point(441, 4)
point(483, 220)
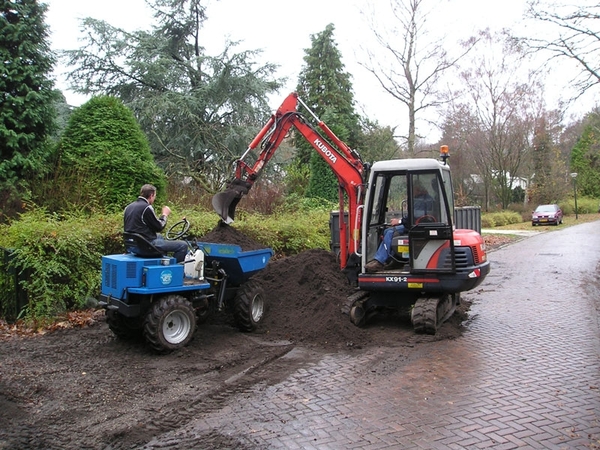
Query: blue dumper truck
point(146, 293)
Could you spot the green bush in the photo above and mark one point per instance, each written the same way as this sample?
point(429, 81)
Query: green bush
point(290, 233)
point(58, 258)
point(501, 218)
point(585, 205)
point(105, 154)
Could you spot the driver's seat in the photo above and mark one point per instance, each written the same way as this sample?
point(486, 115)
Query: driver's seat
point(138, 245)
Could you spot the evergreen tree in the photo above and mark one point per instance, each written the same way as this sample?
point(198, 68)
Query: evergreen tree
point(548, 183)
point(585, 157)
point(103, 159)
point(27, 107)
point(198, 111)
point(327, 89)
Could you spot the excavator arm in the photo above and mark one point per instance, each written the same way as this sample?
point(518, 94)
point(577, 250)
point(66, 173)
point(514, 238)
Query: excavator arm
point(345, 163)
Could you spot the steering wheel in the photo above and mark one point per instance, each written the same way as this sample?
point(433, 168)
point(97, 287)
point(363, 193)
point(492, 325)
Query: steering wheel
point(178, 230)
point(425, 219)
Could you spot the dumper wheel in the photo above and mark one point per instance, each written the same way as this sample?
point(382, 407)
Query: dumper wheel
point(126, 328)
point(170, 323)
point(249, 305)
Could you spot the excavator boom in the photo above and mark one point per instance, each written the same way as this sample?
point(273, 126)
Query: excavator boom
point(345, 163)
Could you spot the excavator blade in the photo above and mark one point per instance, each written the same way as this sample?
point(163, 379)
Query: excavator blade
point(224, 203)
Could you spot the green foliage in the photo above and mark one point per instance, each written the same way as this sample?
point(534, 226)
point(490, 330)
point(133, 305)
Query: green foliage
point(585, 205)
point(326, 88)
point(59, 260)
point(297, 178)
point(198, 111)
point(27, 115)
point(549, 184)
point(377, 143)
point(297, 204)
point(501, 218)
point(585, 157)
point(322, 182)
point(106, 155)
point(290, 233)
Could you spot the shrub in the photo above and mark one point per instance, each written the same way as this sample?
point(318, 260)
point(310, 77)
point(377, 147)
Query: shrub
point(585, 205)
point(105, 154)
point(59, 259)
point(501, 218)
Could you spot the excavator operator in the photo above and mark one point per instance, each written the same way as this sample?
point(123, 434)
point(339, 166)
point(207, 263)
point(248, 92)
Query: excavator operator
point(423, 206)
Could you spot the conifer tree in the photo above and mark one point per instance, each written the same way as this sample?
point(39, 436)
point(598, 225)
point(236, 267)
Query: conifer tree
point(27, 114)
point(326, 88)
point(104, 154)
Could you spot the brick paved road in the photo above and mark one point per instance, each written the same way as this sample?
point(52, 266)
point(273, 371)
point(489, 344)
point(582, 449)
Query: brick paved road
point(525, 375)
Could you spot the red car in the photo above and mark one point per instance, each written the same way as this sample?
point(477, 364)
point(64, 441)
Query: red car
point(547, 215)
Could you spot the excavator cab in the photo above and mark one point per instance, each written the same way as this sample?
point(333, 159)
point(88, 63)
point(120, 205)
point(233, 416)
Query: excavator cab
point(429, 263)
point(417, 194)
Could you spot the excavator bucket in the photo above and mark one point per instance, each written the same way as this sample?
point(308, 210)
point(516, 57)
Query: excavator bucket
point(224, 203)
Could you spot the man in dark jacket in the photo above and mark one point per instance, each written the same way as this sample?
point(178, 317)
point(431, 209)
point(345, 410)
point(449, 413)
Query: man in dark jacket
point(139, 217)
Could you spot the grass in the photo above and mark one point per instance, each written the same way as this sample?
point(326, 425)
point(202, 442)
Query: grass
point(568, 221)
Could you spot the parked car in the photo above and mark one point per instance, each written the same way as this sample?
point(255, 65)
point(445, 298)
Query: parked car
point(547, 215)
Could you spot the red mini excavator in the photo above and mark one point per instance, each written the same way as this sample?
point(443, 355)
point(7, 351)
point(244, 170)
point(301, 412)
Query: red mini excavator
point(429, 262)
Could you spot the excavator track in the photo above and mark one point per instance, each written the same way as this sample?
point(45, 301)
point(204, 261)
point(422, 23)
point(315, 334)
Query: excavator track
point(355, 309)
point(352, 299)
point(429, 313)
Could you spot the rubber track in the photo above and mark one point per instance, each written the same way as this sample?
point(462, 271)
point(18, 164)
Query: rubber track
point(352, 299)
point(424, 315)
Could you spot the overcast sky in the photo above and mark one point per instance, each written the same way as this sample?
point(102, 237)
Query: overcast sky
point(282, 30)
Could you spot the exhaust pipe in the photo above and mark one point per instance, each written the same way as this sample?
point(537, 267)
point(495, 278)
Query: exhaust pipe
point(224, 203)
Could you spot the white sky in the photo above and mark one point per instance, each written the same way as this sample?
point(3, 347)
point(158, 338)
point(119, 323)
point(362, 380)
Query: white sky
point(282, 30)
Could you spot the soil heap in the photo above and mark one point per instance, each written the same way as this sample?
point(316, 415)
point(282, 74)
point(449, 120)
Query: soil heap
point(305, 294)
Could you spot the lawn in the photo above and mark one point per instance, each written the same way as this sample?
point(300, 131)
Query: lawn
point(568, 221)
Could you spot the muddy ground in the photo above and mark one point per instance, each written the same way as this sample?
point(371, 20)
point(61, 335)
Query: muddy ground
point(84, 388)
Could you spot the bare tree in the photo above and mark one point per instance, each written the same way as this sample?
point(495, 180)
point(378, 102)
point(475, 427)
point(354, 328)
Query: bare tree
point(497, 110)
point(573, 34)
point(414, 65)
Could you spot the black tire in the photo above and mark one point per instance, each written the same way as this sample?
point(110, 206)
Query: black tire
point(170, 323)
point(126, 328)
point(249, 305)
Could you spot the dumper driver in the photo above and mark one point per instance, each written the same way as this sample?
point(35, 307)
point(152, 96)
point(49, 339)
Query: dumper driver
point(139, 217)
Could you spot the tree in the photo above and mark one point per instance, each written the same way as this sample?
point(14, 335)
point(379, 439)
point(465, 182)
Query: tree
point(377, 143)
point(198, 111)
point(585, 157)
point(105, 154)
point(27, 108)
point(549, 168)
point(414, 65)
point(573, 35)
point(501, 109)
point(326, 88)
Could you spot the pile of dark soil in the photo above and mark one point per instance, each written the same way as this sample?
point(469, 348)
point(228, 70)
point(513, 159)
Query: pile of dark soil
point(305, 294)
point(225, 234)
